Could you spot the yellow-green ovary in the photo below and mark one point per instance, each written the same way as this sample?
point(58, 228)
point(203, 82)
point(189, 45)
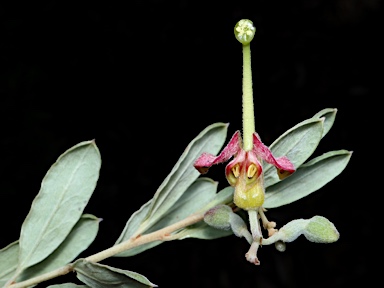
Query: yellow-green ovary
point(248, 199)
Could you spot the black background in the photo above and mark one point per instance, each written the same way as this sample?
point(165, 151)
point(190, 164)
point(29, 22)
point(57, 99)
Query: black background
point(145, 77)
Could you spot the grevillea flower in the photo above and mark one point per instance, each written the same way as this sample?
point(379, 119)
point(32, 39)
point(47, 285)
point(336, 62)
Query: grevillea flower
point(245, 171)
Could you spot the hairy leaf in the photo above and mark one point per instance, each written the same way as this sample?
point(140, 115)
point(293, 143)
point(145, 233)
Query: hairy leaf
point(201, 192)
point(97, 275)
point(183, 174)
point(202, 230)
point(298, 144)
point(8, 262)
point(308, 178)
point(65, 191)
point(79, 239)
point(329, 114)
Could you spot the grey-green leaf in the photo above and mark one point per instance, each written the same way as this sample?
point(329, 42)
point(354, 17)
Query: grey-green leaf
point(298, 144)
point(97, 275)
point(132, 226)
point(203, 231)
point(8, 261)
point(79, 239)
point(183, 174)
point(65, 191)
point(308, 178)
point(329, 114)
point(201, 192)
point(67, 285)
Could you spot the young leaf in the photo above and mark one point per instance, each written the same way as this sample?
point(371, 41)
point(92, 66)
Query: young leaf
point(329, 114)
point(8, 261)
point(307, 179)
point(97, 275)
point(79, 239)
point(197, 195)
point(298, 144)
point(133, 223)
point(183, 174)
point(65, 191)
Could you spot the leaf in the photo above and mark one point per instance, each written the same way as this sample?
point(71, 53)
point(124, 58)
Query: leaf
point(133, 225)
point(201, 230)
point(307, 179)
point(79, 239)
point(329, 114)
point(65, 191)
point(224, 196)
point(297, 143)
point(8, 261)
point(67, 285)
point(197, 195)
point(183, 174)
point(97, 275)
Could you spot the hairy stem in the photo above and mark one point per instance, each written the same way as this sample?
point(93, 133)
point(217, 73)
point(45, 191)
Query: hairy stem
point(248, 111)
point(162, 235)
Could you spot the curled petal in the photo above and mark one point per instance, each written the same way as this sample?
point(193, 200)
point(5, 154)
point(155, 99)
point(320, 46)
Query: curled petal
point(283, 164)
point(207, 160)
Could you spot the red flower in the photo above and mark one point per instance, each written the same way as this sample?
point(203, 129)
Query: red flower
point(244, 172)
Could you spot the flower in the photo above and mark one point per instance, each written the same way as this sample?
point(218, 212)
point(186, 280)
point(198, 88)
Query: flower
point(245, 171)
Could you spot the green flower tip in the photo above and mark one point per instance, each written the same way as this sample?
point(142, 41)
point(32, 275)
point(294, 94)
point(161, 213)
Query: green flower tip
point(245, 31)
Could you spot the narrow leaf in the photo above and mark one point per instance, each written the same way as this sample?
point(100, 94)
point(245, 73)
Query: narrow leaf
point(183, 174)
point(65, 191)
point(8, 262)
point(203, 231)
point(298, 144)
point(79, 239)
point(97, 275)
point(133, 224)
point(329, 114)
point(224, 196)
point(308, 178)
point(197, 195)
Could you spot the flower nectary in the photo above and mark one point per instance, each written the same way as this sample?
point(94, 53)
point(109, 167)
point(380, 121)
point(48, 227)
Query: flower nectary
point(244, 173)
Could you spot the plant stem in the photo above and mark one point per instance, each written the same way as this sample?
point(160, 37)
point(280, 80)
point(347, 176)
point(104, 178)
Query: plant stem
point(140, 240)
point(248, 111)
point(159, 235)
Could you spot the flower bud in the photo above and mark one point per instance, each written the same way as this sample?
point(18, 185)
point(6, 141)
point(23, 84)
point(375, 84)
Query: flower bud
point(280, 246)
point(219, 217)
point(321, 230)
